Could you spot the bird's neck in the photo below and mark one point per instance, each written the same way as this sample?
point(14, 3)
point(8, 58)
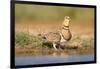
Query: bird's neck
point(65, 27)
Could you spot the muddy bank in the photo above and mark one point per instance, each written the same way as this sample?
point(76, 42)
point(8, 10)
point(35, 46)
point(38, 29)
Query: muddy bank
point(51, 51)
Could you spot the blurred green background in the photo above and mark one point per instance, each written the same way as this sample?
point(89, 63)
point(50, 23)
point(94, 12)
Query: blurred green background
point(39, 12)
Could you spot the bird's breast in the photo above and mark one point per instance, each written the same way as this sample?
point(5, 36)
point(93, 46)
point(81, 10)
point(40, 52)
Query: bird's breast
point(66, 34)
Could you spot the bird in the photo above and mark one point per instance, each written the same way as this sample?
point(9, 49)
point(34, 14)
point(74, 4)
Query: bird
point(65, 31)
point(55, 37)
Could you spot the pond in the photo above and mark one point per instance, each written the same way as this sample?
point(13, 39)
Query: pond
point(48, 59)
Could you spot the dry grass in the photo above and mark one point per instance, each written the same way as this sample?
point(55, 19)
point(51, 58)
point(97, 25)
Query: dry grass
point(33, 45)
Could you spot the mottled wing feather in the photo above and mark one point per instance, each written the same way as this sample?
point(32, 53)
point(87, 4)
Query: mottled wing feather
point(53, 37)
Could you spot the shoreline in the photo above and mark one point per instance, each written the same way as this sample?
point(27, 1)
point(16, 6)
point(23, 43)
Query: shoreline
point(51, 51)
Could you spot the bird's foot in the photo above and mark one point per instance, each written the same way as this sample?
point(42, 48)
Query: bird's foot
point(54, 45)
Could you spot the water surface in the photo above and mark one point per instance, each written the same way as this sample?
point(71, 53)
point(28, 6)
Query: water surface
point(33, 60)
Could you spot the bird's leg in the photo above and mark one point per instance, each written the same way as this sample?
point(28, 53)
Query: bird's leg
point(54, 45)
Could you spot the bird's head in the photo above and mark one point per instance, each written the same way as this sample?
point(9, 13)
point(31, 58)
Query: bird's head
point(66, 21)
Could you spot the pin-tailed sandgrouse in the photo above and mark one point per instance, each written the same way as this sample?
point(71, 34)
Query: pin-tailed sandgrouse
point(55, 37)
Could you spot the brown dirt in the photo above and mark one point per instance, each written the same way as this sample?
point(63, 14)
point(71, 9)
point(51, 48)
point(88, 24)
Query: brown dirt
point(43, 27)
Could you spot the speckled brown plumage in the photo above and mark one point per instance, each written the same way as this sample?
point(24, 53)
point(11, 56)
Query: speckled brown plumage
point(53, 37)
